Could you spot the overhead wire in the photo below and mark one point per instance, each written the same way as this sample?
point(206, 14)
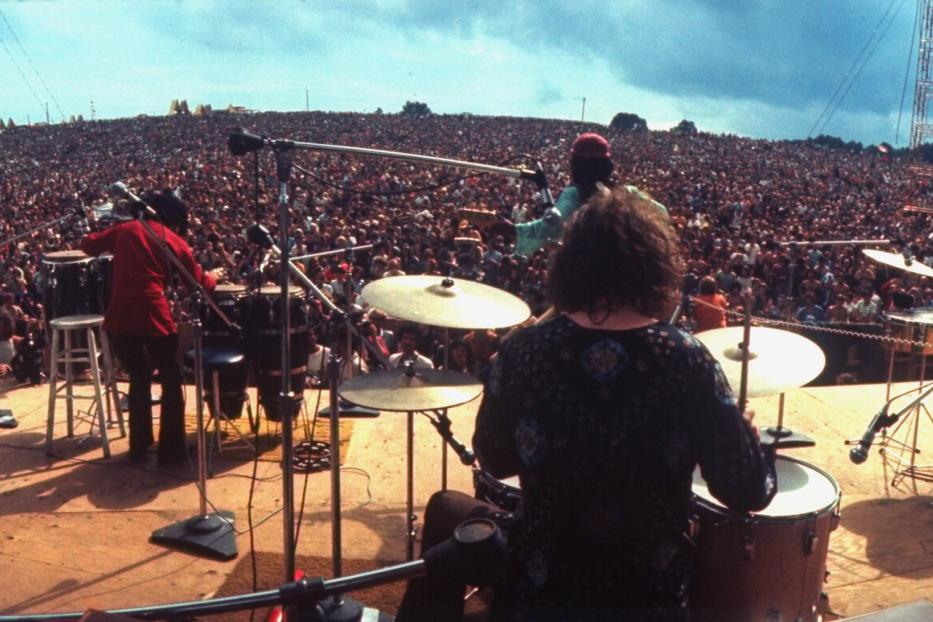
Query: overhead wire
point(31, 65)
point(857, 73)
point(910, 56)
point(845, 78)
point(21, 74)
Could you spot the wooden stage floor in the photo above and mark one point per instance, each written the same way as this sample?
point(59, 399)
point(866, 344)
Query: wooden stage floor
point(74, 527)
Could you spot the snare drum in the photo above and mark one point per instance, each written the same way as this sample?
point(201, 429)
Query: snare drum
point(262, 315)
point(505, 493)
point(915, 325)
point(769, 564)
point(231, 300)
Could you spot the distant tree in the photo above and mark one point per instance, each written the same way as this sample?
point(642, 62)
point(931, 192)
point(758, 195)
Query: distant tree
point(378, 110)
point(685, 128)
point(416, 109)
point(628, 122)
point(834, 142)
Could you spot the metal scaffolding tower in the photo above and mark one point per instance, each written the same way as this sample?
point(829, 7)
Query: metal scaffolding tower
point(920, 130)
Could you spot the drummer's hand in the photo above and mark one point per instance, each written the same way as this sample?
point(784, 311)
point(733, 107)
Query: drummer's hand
point(749, 416)
point(219, 274)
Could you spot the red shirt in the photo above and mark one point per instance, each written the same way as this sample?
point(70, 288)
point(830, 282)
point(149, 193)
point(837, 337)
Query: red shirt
point(140, 275)
point(710, 311)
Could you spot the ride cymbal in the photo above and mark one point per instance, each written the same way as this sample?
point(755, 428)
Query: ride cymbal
point(778, 359)
point(897, 260)
point(445, 302)
point(401, 390)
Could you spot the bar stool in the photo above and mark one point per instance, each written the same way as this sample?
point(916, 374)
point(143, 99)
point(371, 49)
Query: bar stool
point(105, 389)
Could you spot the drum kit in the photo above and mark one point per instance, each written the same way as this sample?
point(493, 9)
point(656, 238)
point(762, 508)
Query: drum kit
point(794, 528)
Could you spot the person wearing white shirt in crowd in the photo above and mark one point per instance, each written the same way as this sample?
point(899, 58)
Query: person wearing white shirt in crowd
point(318, 355)
point(408, 335)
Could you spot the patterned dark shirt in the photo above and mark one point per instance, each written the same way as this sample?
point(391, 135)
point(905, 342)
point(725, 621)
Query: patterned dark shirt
point(604, 429)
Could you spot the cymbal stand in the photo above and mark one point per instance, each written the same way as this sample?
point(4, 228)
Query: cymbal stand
point(207, 533)
point(444, 445)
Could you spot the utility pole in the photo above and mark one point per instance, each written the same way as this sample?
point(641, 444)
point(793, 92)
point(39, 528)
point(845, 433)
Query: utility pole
point(920, 130)
point(307, 105)
point(583, 111)
point(47, 122)
point(93, 111)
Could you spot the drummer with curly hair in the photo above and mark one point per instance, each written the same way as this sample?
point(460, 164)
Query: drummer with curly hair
point(603, 412)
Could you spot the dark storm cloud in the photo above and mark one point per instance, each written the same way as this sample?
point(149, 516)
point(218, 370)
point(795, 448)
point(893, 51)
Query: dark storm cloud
point(785, 54)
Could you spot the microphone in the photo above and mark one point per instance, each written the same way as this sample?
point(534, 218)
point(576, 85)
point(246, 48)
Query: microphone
point(552, 216)
point(859, 453)
point(120, 190)
point(241, 142)
point(466, 455)
point(257, 234)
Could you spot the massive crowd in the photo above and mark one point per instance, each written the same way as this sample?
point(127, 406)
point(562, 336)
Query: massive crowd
point(750, 212)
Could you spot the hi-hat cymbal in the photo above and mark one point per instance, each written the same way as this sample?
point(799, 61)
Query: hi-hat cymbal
point(897, 260)
point(445, 302)
point(778, 359)
point(395, 389)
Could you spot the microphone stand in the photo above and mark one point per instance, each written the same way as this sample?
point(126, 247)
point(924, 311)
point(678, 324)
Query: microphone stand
point(243, 142)
point(337, 607)
point(351, 249)
point(207, 533)
point(474, 554)
point(44, 225)
point(885, 421)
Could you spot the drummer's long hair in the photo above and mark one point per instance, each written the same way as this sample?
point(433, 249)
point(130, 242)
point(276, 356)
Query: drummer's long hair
point(618, 250)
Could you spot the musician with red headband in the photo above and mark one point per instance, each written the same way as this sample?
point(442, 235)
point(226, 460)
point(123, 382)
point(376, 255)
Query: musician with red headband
point(590, 164)
point(139, 320)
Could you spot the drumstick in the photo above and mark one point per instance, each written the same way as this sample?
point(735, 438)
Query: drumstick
point(548, 314)
point(746, 338)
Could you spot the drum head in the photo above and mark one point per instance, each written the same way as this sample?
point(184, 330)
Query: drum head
point(916, 316)
point(512, 481)
point(801, 489)
point(275, 290)
point(64, 256)
point(229, 289)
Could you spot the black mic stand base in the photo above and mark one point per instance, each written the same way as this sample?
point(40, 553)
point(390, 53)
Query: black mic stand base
point(210, 535)
point(339, 608)
point(784, 438)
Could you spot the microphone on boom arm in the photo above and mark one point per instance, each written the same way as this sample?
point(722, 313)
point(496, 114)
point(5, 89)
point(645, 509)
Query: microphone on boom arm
point(859, 453)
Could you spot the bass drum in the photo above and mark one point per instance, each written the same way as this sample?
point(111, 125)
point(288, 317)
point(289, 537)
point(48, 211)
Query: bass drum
point(767, 565)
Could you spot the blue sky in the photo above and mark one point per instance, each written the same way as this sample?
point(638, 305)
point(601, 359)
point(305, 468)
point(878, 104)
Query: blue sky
point(763, 68)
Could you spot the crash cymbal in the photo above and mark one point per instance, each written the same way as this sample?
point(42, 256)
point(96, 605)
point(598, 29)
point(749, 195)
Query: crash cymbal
point(778, 359)
point(395, 389)
point(897, 260)
point(445, 302)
